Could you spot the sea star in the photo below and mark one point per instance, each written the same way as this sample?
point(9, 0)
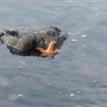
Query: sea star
point(50, 51)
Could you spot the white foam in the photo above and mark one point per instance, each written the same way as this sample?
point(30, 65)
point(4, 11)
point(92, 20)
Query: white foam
point(20, 95)
point(72, 95)
point(74, 40)
point(84, 36)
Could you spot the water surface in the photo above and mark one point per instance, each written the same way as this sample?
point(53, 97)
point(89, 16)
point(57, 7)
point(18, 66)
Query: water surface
point(77, 77)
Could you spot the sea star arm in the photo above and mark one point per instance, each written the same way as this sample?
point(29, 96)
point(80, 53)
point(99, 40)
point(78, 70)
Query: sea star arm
point(51, 46)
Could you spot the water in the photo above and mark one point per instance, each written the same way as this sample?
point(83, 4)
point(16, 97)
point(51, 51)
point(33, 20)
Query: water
point(77, 77)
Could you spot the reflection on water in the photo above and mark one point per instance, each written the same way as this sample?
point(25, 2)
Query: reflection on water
point(76, 77)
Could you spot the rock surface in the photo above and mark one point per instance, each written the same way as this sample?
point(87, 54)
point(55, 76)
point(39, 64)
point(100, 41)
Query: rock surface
point(25, 40)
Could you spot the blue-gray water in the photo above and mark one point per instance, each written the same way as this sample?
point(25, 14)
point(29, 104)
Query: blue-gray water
point(77, 77)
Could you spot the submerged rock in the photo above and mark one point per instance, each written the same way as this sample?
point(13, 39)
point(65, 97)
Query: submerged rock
point(25, 40)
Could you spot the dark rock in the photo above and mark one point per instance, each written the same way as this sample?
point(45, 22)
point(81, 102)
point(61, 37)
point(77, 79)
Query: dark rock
point(25, 40)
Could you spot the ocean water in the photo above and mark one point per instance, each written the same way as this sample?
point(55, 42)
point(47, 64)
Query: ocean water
point(77, 77)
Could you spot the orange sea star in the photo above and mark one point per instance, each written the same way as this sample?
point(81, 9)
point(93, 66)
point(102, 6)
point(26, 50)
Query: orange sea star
point(50, 51)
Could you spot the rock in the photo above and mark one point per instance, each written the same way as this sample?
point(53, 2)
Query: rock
point(25, 40)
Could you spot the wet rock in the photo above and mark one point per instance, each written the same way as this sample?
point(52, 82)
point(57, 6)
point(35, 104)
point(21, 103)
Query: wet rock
point(24, 40)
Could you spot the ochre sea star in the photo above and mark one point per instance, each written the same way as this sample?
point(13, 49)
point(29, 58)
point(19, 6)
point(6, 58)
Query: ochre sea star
point(50, 51)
